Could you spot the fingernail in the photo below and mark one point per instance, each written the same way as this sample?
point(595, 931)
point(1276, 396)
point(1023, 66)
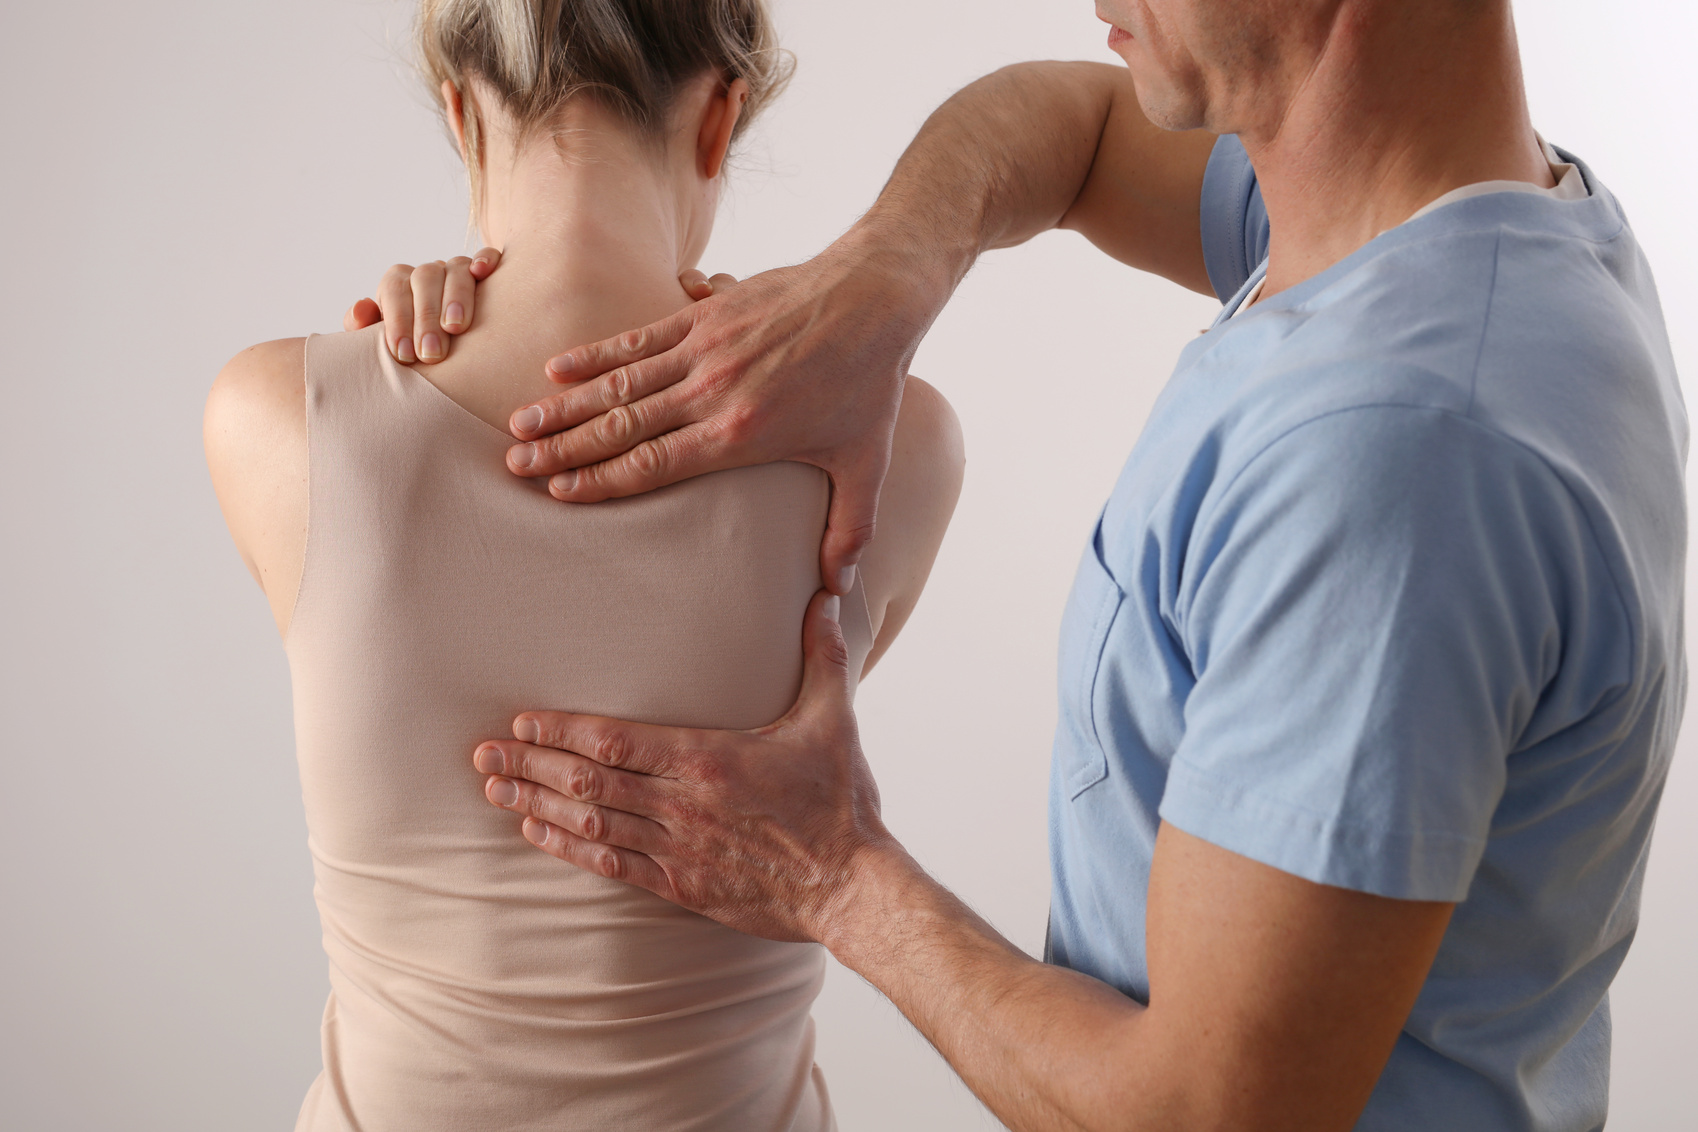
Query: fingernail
point(489, 760)
point(503, 791)
point(564, 482)
point(562, 364)
point(404, 351)
point(536, 832)
point(522, 455)
point(430, 346)
point(527, 420)
point(831, 607)
point(527, 731)
point(454, 315)
point(845, 579)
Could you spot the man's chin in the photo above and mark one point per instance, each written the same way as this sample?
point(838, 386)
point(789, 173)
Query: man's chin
point(1163, 105)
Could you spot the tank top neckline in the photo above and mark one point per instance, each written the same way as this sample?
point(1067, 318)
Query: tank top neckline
point(460, 409)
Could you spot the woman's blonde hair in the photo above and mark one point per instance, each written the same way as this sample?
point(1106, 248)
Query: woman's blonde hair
point(632, 55)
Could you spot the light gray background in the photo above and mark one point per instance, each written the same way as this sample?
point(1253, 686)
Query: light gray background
point(184, 179)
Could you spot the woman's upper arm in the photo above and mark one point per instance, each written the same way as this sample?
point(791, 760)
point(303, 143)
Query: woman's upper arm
point(255, 431)
point(920, 490)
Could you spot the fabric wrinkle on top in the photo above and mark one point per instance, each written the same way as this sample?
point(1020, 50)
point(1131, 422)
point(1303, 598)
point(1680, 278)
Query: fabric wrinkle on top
point(477, 982)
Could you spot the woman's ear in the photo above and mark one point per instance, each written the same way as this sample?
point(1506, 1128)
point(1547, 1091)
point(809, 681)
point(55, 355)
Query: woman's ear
point(456, 117)
point(723, 109)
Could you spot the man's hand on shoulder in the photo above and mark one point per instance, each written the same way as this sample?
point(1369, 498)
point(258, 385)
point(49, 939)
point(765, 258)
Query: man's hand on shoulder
point(803, 363)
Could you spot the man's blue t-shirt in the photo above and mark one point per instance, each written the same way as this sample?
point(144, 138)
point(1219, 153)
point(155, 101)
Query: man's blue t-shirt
point(1389, 596)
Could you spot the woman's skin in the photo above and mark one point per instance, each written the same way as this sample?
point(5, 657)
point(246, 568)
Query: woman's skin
point(594, 233)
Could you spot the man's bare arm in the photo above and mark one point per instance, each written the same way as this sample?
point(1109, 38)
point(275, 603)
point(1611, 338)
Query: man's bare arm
point(1274, 1002)
point(1037, 146)
point(807, 362)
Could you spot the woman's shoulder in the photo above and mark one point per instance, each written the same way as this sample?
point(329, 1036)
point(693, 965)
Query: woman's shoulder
point(927, 462)
point(255, 433)
point(264, 386)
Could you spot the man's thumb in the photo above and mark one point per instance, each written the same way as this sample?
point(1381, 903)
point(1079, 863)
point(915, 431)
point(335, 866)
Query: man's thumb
point(849, 526)
point(825, 656)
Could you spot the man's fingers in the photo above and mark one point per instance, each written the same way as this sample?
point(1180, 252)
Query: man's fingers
point(695, 283)
point(638, 748)
point(459, 294)
point(667, 458)
point(430, 341)
point(575, 776)
point(603, 860)
point(395, 299)
point(849, 525)
point(616, 431)
point(593, 360)
point(699, 286)
point(484, 263)
point(589, 400)
point(361, 315)
point(586, 819)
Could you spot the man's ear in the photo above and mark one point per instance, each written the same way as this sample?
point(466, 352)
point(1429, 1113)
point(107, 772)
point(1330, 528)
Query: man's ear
point(456, 117)
point(723, 109)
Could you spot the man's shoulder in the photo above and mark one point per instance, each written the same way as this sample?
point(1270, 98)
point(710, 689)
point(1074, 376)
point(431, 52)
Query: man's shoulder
point(1498, 299)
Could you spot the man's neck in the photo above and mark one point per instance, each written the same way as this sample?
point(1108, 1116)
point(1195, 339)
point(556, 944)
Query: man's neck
point(1403, 104)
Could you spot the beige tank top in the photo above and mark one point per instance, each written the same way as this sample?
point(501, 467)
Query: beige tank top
point(477, 983)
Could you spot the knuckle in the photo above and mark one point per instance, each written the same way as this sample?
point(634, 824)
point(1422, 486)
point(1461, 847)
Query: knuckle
point(612, 749)
point(835, 650)
point(583, 783)
point(617, 389)
point(708, 771)
point(591, 483)
point(634, 341)
point(650, 460)
point(608, 863)
point(558, 446)
point(739, 423)
point(592, 826)
point(617, 425)
point(514, 763)
point(551, 730)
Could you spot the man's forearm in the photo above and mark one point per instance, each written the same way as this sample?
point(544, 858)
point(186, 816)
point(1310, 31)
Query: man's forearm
point(1044, 1048)
point(999, 162)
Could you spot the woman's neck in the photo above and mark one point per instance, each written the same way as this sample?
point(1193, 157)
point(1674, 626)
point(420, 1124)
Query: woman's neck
point(592, 244)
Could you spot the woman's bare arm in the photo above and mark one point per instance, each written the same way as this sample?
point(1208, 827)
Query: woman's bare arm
point(255, 431)
point(926, 465)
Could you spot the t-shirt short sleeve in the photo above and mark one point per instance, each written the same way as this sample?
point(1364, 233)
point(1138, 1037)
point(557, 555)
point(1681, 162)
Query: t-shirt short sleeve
point(1234, 219)
point(1377, 609)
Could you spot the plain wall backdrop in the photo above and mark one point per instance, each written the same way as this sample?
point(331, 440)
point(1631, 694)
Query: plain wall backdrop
point(186, 178)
